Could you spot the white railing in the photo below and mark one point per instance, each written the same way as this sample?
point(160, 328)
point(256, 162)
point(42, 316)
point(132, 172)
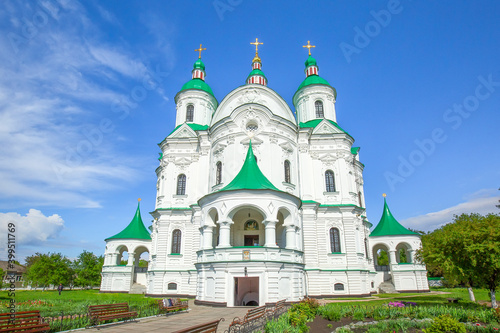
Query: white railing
point(250, 253)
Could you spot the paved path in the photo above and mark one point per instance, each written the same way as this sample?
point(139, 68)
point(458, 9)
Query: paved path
point(196, 315)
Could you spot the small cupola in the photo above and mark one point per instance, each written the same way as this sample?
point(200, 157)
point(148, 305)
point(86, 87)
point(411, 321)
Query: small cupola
point(256, 76)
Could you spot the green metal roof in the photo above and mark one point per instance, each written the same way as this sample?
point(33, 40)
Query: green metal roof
point(310, 62)
point(313, 123)
point(194, 127)
point(314, 80)
point(256, 72)
point(250, 177)
point(388, 226)
point(135, 229)
point(355, 150)
point(199, 65)
point(198, 84)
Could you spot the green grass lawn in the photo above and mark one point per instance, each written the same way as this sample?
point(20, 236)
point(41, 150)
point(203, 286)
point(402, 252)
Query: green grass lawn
point(70, 301)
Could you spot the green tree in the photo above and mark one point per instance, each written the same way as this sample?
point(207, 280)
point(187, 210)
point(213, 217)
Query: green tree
point(382, 258)
point(467, 250)
point(88, 269)
point(48, 269)
point(2, 275)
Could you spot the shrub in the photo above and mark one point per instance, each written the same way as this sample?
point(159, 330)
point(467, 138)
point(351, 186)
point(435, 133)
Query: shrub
point(358, 315)
point(331, 314)
point(445, 324)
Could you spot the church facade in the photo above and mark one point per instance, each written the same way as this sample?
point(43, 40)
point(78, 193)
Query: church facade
point(256, 203)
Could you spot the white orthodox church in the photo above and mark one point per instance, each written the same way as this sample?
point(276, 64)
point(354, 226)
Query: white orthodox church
point(257, 202)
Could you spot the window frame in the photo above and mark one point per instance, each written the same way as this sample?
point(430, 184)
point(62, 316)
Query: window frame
point(319, 109)
point(176, 241)
point(335, 246)
point(181, 184)
point(288, 177)
point(330, 181)
point(189, 113)
point(218, 173)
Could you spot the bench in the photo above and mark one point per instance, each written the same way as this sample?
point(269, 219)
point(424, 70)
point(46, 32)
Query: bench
point(98, 313)
point(254, 319)
point(172, 304)
point(210, 327)
point(26, 321)
point(277, 309)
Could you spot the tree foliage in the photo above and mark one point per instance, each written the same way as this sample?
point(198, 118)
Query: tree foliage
point(48, 269)
point(467, 250)
point(88, 269)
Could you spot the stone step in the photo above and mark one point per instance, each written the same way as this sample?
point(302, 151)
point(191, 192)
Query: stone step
point(137, 288)
point(387, 288)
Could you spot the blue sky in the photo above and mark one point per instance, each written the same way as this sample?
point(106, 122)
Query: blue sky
point(87, 89)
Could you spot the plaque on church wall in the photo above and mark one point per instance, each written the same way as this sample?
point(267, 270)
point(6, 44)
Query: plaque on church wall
point(246, 255)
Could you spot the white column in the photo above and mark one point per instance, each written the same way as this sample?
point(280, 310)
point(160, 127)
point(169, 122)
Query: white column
point(208, 232)
point(270, 233)
point(409, 256)
point(131, 259)
point(290, 237)
point(114, 259)
point(224, 233)
point(392, 257)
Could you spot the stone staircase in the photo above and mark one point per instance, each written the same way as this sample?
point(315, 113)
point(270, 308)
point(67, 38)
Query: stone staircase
point(387, 288)
point(137, 288)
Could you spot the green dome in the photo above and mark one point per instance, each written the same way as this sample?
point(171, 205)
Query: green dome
point(256, 72)
point(198, 84)
point(316, 79)
point(310, 62)
point(199, 65)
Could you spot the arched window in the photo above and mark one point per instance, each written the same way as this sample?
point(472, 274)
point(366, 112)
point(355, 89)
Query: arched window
point(181, 184)
point(172, 286)
point(329, 181)
point(189, 113)
point(318, 105)
point(176, 241)
point(218, 173)
point(335, 240)
point(287, 172)
point(338, 286)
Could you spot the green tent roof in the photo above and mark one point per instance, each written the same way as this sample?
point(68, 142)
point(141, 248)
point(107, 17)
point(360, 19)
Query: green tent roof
point(198, 84)
point(250, 177)
point(135, 229)
point(388, 226)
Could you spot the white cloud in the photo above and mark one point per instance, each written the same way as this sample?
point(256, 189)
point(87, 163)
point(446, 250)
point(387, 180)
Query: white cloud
point(482, 202)
point(32, 229)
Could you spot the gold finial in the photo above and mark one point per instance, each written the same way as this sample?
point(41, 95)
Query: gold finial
point(199, 50)
point(139, 199)
point(309, 46)
point(384, 195)
point(257, 45)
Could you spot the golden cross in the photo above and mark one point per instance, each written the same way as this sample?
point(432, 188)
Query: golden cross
point(257, 45)
point(309, 46)
point(199, 50)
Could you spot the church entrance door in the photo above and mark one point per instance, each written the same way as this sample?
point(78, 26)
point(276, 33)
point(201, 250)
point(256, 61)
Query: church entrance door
point(246, 291)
